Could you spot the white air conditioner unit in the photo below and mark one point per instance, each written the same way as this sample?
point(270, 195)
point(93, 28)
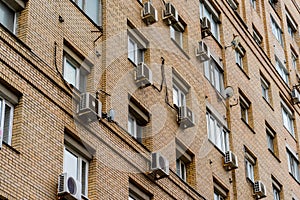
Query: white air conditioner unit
point(230, 160)
point(69, 187)
point(232, 4)
point(185, 117)
point(295, 96)
point(149, 13)
point(89, 108)
point(202, 52)
point(159, 164)
point(143, 76)
point(259, 189)
point(205, 27)
point(170, 14)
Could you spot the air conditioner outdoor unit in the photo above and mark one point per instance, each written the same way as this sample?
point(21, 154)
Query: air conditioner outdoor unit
point(69, 187)
point(202, 52)
point(90, 108)
point(232, 4)
point(159, 164)
point(185, 117)
point(259, 189)
point(230, 160)
point(149, 13)
point(170, 14)
point(143, 75)
point(205, 27)
point(295, 96)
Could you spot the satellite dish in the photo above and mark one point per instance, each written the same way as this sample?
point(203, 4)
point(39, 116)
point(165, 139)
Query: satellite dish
point(227, 92)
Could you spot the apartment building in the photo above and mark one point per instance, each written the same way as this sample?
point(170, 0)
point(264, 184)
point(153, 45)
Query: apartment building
point(149, 99)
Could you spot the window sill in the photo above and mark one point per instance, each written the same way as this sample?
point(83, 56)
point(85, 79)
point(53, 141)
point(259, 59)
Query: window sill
point(217, 41)
point(251, 129)
point(132, 62)
point(216, 147)
point(181, 49)
point(241, 19)
point(275, 156)
point(10, 147)
point(249, 181)
point(244, 72)
point(84, 197)
point(268, 103)
point(141, 3)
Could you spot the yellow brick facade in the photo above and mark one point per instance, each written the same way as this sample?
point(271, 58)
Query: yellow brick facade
point(45, 116)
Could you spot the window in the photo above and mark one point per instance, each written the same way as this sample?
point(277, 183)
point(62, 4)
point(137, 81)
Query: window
point(181, 169)
point(245, 109)
point(276, 187)
point(8, 16)
point(137, 192)
point(217, 133)
point(184, 160)
point(220, 192)
point(282, 70)
point(176, 35)
point(180, 90)
point(137, 45)
point(8, 100)
point(265, 88)
point(287, 117)
point(214, 73)
point(276, 30)
point(293, 164)
point(250, 162)
point(208, 11)
point(294, 58)
point(138, 118)
point(6, 121)
point(239, 55)
point(91, 8)
point(257, 36)
point(273, 2)
point(253, 4)
point(135, 53)
point(291, 25)
point(75, 74)
point(76, 166)
point(271, 139)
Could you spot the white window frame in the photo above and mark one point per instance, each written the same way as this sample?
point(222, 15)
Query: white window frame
point(3, 104)
point(249, 166)
point(291, 25)
point(257, 37)
point(239, 58)
point(137, 54)
point(80, 73)
point(293, 164)
point(180, 90)
point(218, 196)
point(96, 16)
point(276, 192)
point(245, 107)
point(294, 58)
point(207, 10)
point(79, 169)
point(253, 4)
point(215, 74)
point(133, 128)
point(287, 118)
point(181, 169)
point(177, 36)
point(282, 70)
point(276, 30)
point(265, 86)
point(217, 133)
point(270, 139)
point(15, 20)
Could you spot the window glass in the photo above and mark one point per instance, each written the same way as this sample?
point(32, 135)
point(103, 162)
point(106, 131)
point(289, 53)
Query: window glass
point(71, 164)
point(7, 16)
point(92, 10)
point(250, 170)
point(70, 73)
